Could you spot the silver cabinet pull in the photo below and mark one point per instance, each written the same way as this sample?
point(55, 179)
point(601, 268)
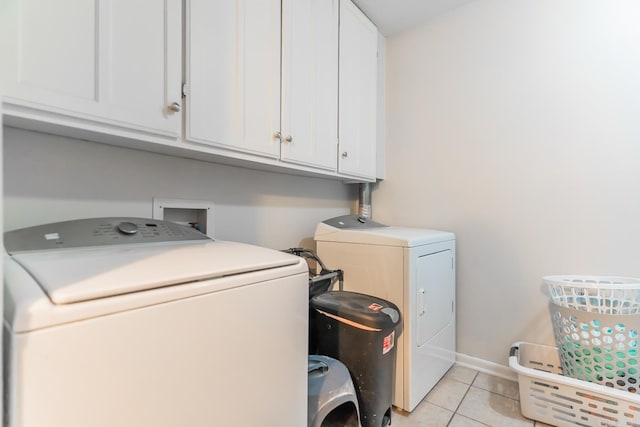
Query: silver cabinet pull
point(345, 155)
point(288, 139)
point(277, 135)
point(175, 107)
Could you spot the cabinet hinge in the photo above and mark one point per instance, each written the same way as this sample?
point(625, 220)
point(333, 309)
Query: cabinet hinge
point(184, 90)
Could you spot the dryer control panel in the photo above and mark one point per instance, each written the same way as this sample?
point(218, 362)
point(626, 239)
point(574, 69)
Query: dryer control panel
point(97, 232)
point(348, 222)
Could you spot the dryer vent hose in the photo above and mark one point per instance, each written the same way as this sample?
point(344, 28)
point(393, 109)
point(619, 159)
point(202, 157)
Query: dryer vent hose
point(364, 201)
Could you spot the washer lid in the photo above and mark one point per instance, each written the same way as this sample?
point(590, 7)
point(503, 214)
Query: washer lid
point(80, 274)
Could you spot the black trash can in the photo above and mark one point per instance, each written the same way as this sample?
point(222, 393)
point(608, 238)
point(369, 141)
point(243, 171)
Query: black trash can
point(361, 331)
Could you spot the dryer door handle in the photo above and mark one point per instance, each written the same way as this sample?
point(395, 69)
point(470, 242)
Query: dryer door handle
point(421, 301)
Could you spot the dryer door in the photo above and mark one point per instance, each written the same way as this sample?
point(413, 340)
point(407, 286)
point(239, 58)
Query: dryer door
point(435, 293)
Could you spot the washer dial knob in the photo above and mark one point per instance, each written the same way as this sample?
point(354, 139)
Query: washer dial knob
point(127, 228)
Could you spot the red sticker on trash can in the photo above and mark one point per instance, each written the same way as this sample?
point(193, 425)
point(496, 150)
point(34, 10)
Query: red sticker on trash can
point(388, 342)
point(375, 307)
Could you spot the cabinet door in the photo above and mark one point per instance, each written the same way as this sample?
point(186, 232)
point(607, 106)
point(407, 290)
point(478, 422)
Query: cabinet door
point(110, 62)
point(357, 97)
point(310, 82)
point(233, 74)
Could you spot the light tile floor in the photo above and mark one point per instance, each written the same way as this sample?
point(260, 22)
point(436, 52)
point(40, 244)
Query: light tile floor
point(467, 398)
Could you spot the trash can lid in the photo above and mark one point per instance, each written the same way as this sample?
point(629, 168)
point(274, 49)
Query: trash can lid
point(365, 310)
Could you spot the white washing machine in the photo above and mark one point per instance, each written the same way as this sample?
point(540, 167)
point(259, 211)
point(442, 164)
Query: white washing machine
point(134, 322)
point(414, 269)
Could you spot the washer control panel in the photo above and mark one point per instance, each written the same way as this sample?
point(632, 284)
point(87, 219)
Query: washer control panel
point(97, 232)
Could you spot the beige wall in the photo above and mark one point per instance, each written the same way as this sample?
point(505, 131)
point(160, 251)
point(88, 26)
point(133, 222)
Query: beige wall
point(50, 178)
point(516, 125)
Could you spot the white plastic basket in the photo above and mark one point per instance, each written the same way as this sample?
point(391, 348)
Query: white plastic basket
point(596, 323)
point(549, 397)
point(595, 294)
point(599, 348)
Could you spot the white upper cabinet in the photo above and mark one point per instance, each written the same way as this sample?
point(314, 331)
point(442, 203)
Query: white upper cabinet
point(233, 74)
point(274, 84)
point(358, 82)
point(111, 65)
point(310, 82)
point(251, 91)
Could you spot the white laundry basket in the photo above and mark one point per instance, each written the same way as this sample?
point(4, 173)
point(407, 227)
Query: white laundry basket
point(595, 294)
point(596, 322)
point(548, 396)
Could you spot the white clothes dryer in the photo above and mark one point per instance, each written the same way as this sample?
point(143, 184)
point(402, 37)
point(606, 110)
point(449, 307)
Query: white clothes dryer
point(414, 269)
point(134, 322)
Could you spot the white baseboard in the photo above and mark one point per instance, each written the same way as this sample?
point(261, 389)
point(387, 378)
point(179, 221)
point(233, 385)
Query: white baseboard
point(486, 366)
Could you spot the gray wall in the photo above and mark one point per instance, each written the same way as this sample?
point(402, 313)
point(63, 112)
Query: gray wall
point(50, 178)
point(516, 125)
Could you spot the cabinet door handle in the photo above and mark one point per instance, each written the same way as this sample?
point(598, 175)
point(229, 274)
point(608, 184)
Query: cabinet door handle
point(288, 139)
point(277, 135)
point(175, 107)
point(345, 155)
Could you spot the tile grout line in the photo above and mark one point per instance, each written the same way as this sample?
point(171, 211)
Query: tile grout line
point(490, 392)
point(461, 400)
point(455, 412)
point(469, 384)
